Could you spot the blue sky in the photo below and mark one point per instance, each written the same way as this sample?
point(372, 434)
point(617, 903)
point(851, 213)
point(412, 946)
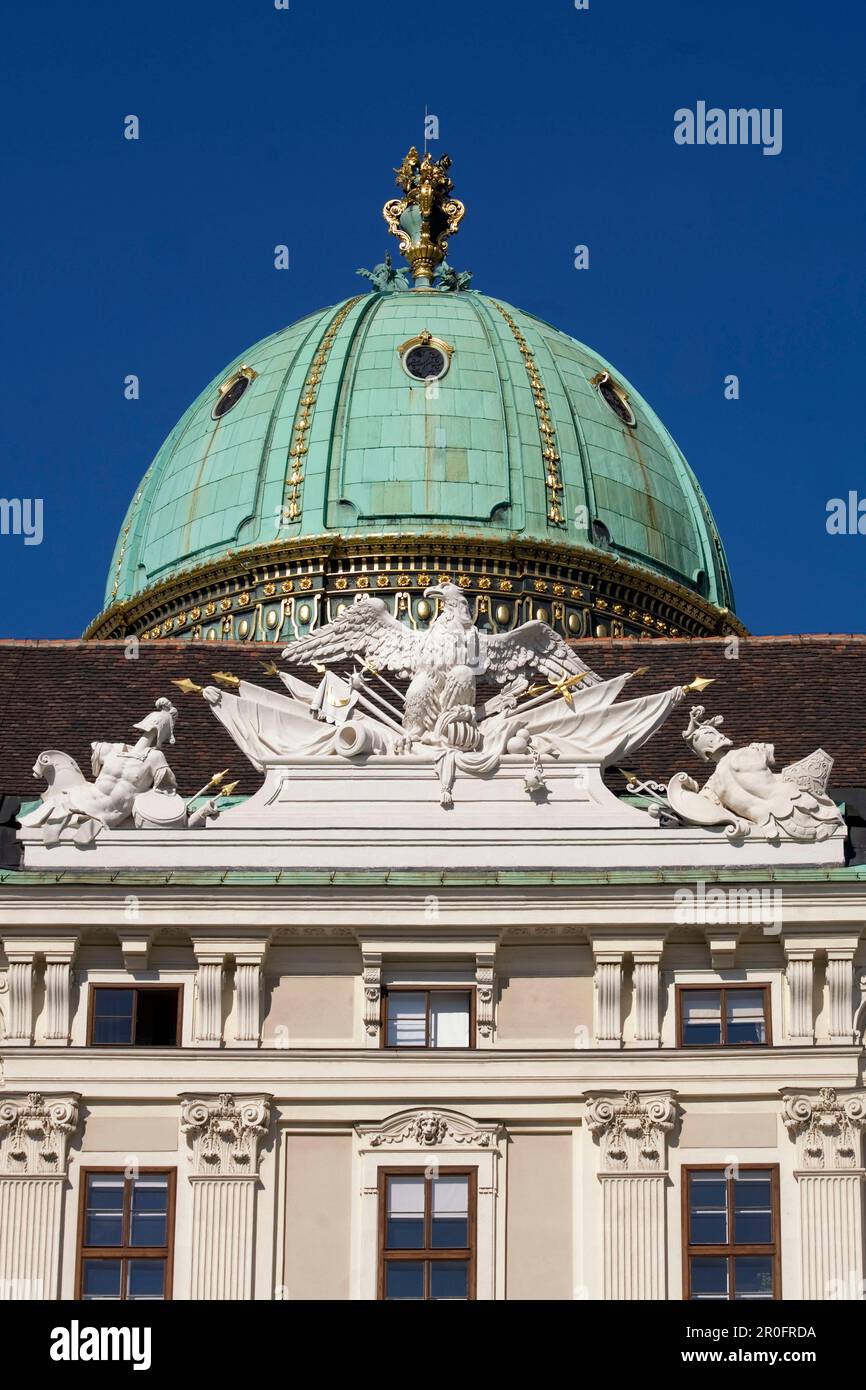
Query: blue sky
point(261, 126)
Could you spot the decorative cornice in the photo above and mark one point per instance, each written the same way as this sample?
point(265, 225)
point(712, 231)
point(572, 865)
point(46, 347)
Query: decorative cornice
point(225, 1133)
point(632, 1130)
point(429, 1129)
point(826, 1128)
point(34, 1134)
point(566, 576)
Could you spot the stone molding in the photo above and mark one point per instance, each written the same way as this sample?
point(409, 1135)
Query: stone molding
point(34, 1134)
point(631, 1130)
point(225, 1133)
point(430, 1129)
point(372, 981)
point(826, 1129)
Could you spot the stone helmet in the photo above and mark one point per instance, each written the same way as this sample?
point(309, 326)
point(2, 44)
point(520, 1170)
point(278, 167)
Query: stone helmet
point(161, 722)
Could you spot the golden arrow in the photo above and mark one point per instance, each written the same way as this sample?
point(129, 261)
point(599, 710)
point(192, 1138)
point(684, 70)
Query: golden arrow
point(698, 684)
point(187, 686)
point(270, 668)
point(226, 678)
point(554, 687)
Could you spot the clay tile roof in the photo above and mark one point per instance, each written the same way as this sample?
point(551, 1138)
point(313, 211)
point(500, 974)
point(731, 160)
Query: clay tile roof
point(797, 692)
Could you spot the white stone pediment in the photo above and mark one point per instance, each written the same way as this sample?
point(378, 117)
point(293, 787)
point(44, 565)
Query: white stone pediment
point(422, 1129)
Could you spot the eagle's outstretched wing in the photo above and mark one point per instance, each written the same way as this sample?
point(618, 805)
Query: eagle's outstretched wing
point(534, 648)
point(366, 629)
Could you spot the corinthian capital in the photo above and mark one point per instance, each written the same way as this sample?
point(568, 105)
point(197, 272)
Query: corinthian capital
point(632, 1130)
point(825, 1128)
point(35, 1132)
point(225, 1133)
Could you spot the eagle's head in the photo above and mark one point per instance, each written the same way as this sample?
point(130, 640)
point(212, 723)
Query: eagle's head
point(453, 601)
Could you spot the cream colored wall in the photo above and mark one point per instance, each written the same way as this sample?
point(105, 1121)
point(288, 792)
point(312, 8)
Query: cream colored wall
point(318, 1216)
point(310, 998)
point(539, 1218)
point(545, 996)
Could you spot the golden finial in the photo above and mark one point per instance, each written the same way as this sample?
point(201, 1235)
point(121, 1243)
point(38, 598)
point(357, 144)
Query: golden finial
point(188, 687)
point(226, 678)
point(423, 238)
point(229, 788)
point(270, 668)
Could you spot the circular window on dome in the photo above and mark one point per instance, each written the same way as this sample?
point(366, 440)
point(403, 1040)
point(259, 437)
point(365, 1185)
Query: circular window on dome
point(614, 397)
point(425, 358)
point(231, 391)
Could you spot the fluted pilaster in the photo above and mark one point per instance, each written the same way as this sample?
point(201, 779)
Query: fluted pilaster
point(646, 1000)
point(633, 1232)
point(840, 985)
point(608, 990)
point(799, 974)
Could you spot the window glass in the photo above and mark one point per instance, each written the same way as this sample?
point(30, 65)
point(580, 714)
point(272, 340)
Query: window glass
point(125, 1238)
point(100, 1279)
point(145, 1279)
point(753, 1208)
point(744, 1009)
point(450, 1227)
point(753, 1276)
point(708, 1213)
point(702, 1017)
point(709, 1276)
point(405, 1213)
point(404, 1279)
point(103, 1221)
point(449, 1279)
point(449, 1019)
point(732, 1214)
point(149, 1214)
point(407, 1019)
point(113, 1011)
point(426, 1238)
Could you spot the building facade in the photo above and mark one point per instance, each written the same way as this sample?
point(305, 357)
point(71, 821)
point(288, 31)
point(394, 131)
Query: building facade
point(460, 980)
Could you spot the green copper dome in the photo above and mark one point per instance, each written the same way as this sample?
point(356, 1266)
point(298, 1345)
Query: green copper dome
point(331, 459)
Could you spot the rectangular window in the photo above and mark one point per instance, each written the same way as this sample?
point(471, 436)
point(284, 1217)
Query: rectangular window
point(143, 1016)
point(440, 1017)
point(126, 1232)
point(731, 1233)
point(724, 1015)
point(427, 1234)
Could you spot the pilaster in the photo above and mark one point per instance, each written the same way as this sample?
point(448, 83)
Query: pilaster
point(827, 1132)
point(840, 985)
point(647, 975)
point(800, 974)
point(207, 1014)
point(608, 997)
point(225, 1135)
point(59, 956)
point(34, 1149)
point(631, 1132)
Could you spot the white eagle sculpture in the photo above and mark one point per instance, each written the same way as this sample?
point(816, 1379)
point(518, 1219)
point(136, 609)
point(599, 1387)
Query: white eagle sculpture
point(443, 661)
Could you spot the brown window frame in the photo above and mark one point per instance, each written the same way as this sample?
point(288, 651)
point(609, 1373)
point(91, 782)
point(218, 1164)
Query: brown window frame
point(428, 1255)
point(136, 989)
point(127, 1252)
point(730, 1250)
point(722, 990)
point(388, 990)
